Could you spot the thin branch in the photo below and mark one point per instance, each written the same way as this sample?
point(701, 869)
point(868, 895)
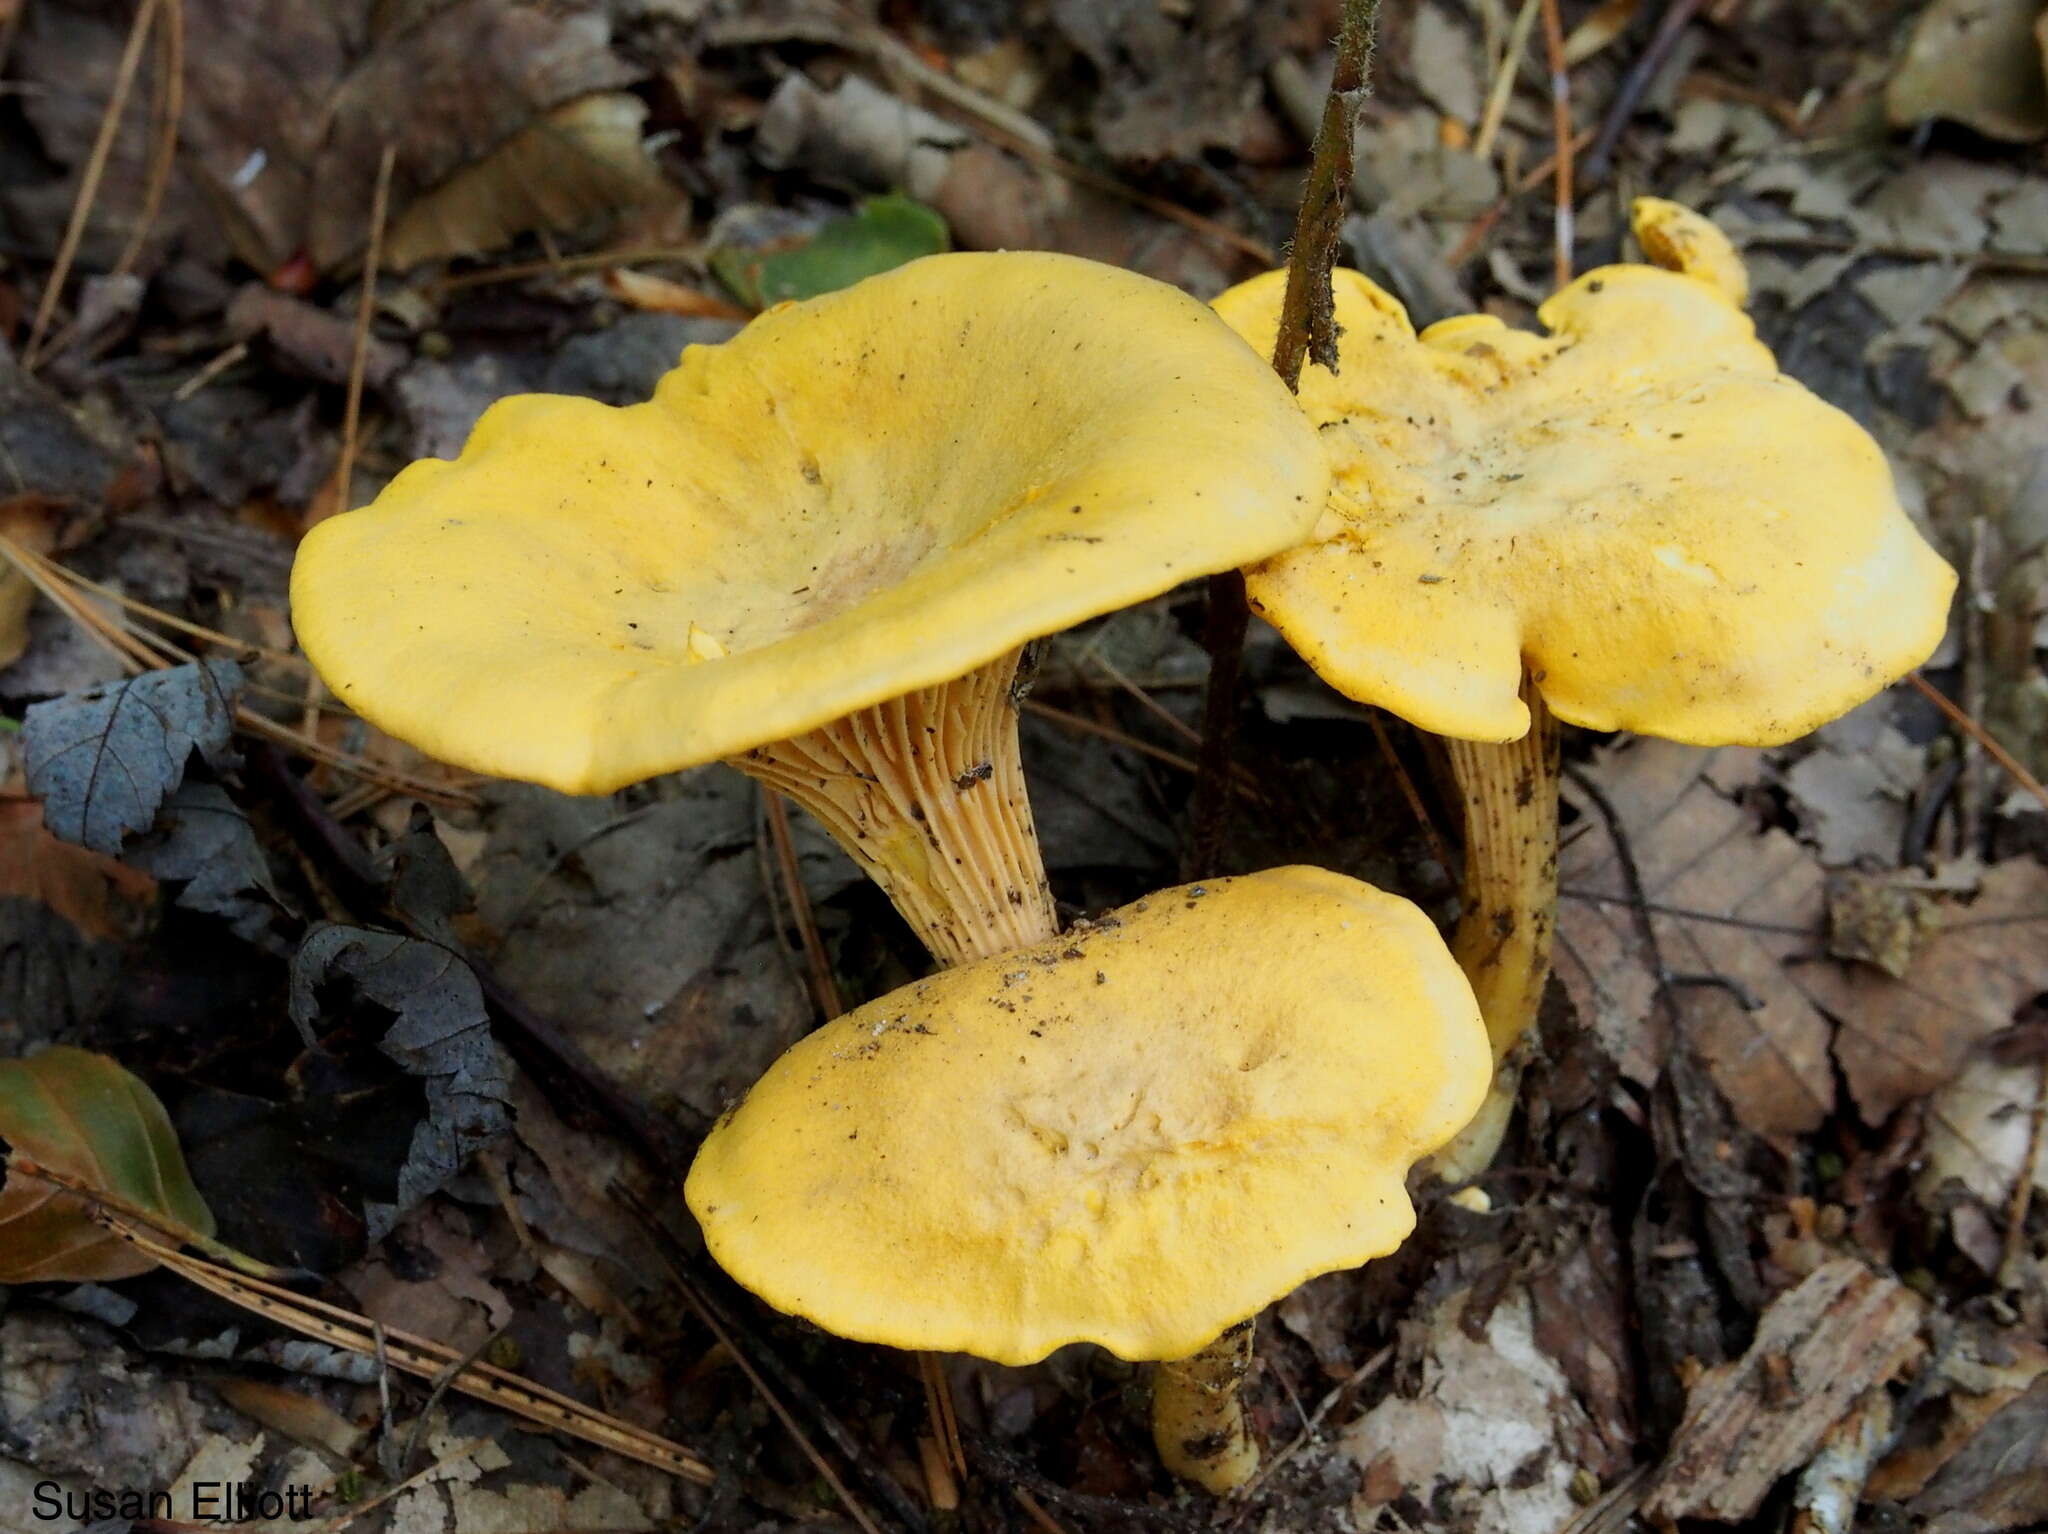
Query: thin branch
point(89, 182)
point(170, 108)
point(1561, 132)
point(1504, 82)
point(1982, 737)
point(1308, 330)
point(366, 306)
point(1636, 83)
point(824, 987)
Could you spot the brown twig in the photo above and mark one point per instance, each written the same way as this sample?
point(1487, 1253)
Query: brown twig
point(1480, 227)
point(1086, 726)
point(1636, 83)
point(824, 987)
point(169, 108)
point(2015, 1249)
point(426, 1359)
point(89, 182)
point(1308, 330)
point(1437, 848)
point(697, 1279)
point(1982, 737)
point(1561, 133)
point(945, 1420)
point(1503, 90)
point(366, 307)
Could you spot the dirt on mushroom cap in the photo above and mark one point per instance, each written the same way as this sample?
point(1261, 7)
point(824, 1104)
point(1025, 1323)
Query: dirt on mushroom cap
point(1638, 509)
point(1136, 1135)
point(859, 495)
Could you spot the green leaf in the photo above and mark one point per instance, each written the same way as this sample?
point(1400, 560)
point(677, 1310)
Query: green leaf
point(98, 1129)
point(884, 232)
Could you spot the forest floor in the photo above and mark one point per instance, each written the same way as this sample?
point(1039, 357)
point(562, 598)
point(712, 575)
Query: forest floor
point(1762, 1250)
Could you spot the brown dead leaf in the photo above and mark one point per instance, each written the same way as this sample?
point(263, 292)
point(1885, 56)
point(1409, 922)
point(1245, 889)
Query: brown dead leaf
point(449, 1296)
point(1730, 903)
point(1818, 1347)
point(302, 1418)
point(1581, 1319)
point(1979, 1131)
point(1999, 1479)
point(309, 339)
point(1965, 981)
point(1984, 1368)
point(91, 1125)
point(1173, 82)
point(288, 109)
point(1975, 62)
point(1737, 911)
point(644, 290)
point(1607, 21)
point(581, 162)
point(102, 898)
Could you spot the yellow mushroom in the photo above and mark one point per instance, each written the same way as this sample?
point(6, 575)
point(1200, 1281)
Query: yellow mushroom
point(1634, 522)
point(816, 553)
point(1137, 1135)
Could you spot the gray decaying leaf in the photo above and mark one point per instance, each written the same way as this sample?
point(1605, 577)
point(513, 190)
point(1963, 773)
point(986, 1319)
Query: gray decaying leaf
point(2000, 1478)
point(203, 837)
point(43, 447)
point(442, 1035)
point(104, 761)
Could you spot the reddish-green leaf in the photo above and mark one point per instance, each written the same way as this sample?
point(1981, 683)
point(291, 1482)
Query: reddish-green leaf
point(93, 1126)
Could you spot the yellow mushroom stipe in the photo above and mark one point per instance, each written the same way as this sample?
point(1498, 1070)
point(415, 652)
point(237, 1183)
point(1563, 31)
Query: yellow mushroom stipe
point(926, 791)
point(1198, 1421)
point(1138, 1134)
point(1509, 795)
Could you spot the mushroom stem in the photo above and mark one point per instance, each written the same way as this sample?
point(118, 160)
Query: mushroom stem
point(1198, 1422)
point(926, 792)
point(1509, 792)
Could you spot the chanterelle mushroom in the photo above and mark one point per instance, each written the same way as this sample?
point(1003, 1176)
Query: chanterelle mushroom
point(1137, 1135)
point(1634, 523)
point(816, 553)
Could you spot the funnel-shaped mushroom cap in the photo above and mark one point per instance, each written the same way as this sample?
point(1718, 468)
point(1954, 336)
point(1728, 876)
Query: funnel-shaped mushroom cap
point(1669, 535)
point(1135, 1135)
point(860, 495)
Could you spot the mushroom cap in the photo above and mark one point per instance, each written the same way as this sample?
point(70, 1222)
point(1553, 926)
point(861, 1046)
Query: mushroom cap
point(859, 495)
point(1680, 240)
point(1136, 1135)
point(1638, 508)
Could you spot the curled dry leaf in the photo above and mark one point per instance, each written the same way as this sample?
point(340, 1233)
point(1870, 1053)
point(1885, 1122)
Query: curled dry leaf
point(85, 1119)
point(1975, 62)
point(580, 162)
point(440, 1032)
point(658, 295)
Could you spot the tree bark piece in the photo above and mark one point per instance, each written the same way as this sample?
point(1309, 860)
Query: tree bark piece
point(1820, 1346)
